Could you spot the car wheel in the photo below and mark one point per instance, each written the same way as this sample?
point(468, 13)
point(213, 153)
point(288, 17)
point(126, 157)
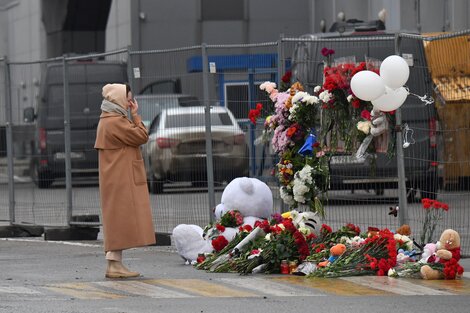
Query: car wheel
point(158, 187)
point(379, 191)
point(42, 179)
point(155, 186)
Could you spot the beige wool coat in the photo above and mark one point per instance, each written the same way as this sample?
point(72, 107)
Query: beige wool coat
point(125, 204)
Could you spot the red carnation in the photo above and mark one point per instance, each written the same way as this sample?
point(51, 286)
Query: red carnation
point(220, 228)
point(365, 115)
point(219, 243)
point(286, 77)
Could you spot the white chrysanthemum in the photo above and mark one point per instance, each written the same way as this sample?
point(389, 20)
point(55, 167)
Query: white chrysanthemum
point(299, 190)
point(325, 96)
point(293, 109)
point(306, 174)
point(286, 197)
point(310, 100)
point(317, 89)
point(349, 98)
point(299, 96)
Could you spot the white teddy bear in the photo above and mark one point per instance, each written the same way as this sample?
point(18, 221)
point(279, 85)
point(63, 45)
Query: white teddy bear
point(250, 196)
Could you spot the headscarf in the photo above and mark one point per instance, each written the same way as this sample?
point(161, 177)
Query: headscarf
point(115, 99)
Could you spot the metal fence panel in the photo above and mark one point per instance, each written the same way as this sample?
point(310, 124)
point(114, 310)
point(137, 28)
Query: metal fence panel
point(448, 62)
point(168, 85)
point(36, 141)
point(86, 76)
point(4, 198)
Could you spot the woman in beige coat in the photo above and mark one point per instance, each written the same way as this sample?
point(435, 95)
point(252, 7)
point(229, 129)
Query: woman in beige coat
point(125, 203)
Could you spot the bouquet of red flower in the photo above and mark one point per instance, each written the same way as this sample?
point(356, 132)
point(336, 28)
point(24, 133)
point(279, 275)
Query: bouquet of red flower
point(344, 122)
point(232, 218)
point(327, 238)
point(434, 211)
point(376, 255)
point(281, 240)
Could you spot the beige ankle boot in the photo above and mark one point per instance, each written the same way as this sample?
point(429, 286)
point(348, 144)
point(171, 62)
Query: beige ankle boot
point(116, 269)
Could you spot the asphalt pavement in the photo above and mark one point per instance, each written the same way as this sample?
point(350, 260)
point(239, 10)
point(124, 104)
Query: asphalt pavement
point(46, 276)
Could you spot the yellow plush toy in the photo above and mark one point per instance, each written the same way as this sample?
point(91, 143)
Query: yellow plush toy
point(448, 253)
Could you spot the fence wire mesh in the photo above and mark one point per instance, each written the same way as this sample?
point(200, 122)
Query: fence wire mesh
point(169, 89)
point(173, 91)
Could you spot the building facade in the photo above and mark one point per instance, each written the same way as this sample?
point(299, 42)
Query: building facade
point(37, 29)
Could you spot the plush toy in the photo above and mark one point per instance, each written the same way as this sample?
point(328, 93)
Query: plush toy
point(379, 123)
point(251, 197)
point(447, 253)
point(429, 253)
point(304, 221)
point(404, 230)
point(335, 253)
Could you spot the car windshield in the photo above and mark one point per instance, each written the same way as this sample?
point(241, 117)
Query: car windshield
point(188, 101)
point(191, 120)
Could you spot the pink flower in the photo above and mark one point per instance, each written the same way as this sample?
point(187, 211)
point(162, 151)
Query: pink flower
point(273, 95)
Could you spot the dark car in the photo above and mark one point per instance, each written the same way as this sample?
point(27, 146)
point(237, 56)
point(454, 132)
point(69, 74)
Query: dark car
point(380, 171)
point(86, 80)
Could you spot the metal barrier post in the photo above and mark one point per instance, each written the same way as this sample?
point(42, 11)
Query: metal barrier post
point(280, 69)
point(402, 201)
point(130, 75)
point(67, 142)
point(209, 161)
point(9, 135)
point(280, 58)
point(251, 100)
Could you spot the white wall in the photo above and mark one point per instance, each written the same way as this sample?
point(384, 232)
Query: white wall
point(3, 33)
point(24, 31)
point(118, 30)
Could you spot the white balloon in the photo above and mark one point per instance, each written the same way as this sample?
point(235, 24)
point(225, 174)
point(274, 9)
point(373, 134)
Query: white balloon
point(395, 71)
point(367, 85)
point(391, 100)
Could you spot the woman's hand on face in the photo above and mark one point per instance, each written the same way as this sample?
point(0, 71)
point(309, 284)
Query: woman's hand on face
point(134, 106)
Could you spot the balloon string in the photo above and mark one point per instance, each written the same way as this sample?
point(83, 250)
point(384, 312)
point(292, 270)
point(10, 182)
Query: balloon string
point(425, 99)
point(408, 136)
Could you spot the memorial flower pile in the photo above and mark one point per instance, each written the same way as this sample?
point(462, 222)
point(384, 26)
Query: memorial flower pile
point(282, 239)
point(287, 239)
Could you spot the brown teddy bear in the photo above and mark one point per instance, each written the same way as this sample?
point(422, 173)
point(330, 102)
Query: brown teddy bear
point(404, 230)
point(448, 253)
